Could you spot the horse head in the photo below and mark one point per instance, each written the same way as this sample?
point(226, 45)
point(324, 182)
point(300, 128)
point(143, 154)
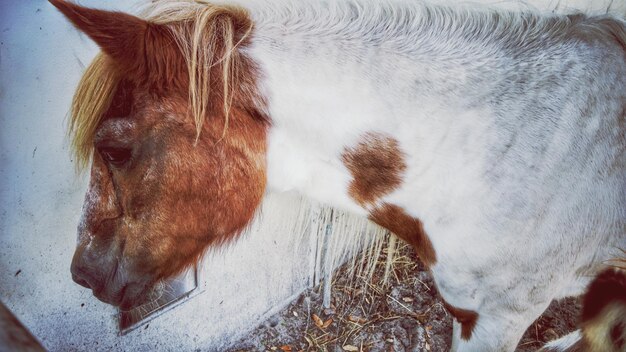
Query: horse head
point(176, 135)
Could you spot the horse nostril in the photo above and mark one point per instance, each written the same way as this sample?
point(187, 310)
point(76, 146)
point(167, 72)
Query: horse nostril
point(81, 277)
point(80, 281)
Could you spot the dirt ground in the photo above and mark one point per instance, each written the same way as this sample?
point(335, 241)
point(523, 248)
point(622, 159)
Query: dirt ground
point(404, 315)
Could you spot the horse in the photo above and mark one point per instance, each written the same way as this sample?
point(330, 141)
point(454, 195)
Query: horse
point(492, 141)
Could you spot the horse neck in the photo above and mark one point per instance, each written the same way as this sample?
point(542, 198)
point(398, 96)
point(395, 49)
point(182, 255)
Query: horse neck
point(326, 91)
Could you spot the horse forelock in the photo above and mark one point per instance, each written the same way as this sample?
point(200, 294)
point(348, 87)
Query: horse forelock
point(91, 101)
point(209, 37)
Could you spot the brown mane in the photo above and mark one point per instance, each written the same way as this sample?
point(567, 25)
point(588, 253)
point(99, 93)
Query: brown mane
point(206, 61)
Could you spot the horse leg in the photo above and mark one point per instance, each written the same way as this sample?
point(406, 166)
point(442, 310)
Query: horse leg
point(491, 332)
point(492, 317)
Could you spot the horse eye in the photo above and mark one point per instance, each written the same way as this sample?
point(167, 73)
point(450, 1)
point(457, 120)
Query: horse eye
point(115, 156)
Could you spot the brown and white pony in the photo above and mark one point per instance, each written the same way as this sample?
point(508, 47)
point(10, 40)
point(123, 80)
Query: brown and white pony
point(492, 141)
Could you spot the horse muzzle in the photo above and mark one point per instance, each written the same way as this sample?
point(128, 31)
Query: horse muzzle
point(104, 279)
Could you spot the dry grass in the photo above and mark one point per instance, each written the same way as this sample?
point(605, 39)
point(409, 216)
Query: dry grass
point(360, 305)
point(403, 314)
point(365, 315)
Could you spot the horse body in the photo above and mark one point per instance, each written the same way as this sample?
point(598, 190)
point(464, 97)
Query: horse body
point(507, 145)
point(491, 141)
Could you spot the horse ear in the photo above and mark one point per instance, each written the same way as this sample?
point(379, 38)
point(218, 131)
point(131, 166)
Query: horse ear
point(118, 34)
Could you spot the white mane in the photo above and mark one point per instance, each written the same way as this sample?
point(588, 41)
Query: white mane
point(415, 28)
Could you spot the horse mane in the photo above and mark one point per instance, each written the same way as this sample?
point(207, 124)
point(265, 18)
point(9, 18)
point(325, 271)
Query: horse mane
point(207, 36)
point(415, 27)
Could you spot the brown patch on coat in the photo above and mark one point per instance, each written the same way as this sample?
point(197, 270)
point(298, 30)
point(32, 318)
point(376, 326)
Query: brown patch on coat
point(408, 228)
point(377, 165)
point(603, 319)
point(467, 319)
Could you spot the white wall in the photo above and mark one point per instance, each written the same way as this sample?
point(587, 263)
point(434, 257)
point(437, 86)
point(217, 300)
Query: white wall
point(39, 196)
